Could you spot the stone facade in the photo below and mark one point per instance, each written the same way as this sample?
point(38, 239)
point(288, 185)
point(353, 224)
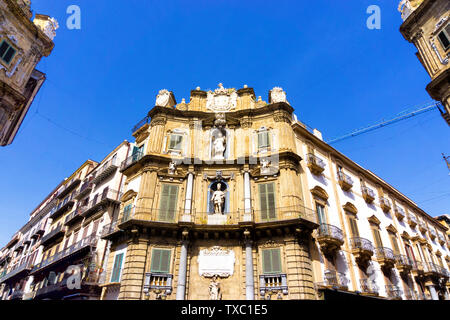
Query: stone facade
point(426, 25)
point(22, 45)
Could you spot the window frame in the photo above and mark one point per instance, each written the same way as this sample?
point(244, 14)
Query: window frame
point(159, 267)
point(10, 46)
point(118, 276)
point(263, 265)
point(446, 33)
point(168, 203)
point(268, 210)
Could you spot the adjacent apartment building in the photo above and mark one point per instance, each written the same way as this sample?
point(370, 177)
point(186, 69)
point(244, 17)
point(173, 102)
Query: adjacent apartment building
point(22, 45)
point(226, 196)
point(426, 24)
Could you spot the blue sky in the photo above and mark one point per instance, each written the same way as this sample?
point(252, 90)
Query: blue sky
point(338, 75)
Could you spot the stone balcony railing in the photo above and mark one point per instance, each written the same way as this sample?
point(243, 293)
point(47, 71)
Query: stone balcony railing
point(161, 282)
point(273, 283)
point(228, 218)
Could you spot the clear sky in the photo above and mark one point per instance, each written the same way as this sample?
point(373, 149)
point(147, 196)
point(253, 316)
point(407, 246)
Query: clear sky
point(338, 75)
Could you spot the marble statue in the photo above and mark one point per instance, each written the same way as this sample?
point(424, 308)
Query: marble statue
point(219, 144)
point(214, 289)
point(265, 166)
point(163, 97)
point(218, 199)
point(172, 167)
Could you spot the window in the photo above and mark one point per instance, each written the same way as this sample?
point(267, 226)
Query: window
point(160, 261)
point(377, 237)
point(168, 202)
point(271, 261)
point(267, 201)
point(175, 142)
point(7, 52)
point(394, 244)
point(117, 267)
point(263, 139)
point(137, 152)
point(353, 227)
point(126, 212)
point(444, 37)
point(321, 213)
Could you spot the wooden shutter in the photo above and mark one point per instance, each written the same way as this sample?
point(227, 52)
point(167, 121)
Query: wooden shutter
point(85, 231)
point(353, 227)
point(95, 228)
point(126, 212)
point(115, 276)
point(377, 237)
point(267, 201)
point(395, 244)
point(263, 139)
point(168, 202)
point(271, 261)
point(321, 213)
point(160, 261)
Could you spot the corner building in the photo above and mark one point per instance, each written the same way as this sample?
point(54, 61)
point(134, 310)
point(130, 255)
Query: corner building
point(231, 197)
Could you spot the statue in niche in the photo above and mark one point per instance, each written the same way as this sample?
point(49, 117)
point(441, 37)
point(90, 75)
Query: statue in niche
point(265, 166)
point(218, 199)
point(214, 289)
point(218, 145)
point(172, 167)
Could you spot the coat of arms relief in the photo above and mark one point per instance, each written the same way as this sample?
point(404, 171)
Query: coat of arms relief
point(222, 99)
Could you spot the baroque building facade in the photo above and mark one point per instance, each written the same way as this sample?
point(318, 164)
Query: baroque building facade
point(226, 197)
point(22, 45)
point(426, 24)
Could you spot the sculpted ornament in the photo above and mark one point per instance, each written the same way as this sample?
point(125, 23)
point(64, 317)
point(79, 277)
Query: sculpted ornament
point(172, 167)
point(277, 94)
point(163, 97)
point(214, 289)
point(221, 99)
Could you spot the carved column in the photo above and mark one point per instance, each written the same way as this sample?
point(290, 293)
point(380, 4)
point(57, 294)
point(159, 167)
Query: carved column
point(249, 276)
point(181, 287)
point(247, 197)
point(433, 293)
point(189, 187)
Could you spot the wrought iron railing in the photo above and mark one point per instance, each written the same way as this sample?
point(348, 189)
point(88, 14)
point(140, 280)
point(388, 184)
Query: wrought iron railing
point(69, 185)
point(328, 230)
point(403, 260)
point(412, 218)
point(25, 266)
point(384, 253)
point(385, 202)
point(345, 178)
point(85, 188)
point(131, 159)
point(62, 206)
point(89, 241)
point(367, 191)
point(400, 210)
point(52, 233)
point(335, 279)
point(105, 170)
point(109, 228)
point(368, 286)
point(313, 159)
point(146, 120)
point(98, 200)
point(361, 243)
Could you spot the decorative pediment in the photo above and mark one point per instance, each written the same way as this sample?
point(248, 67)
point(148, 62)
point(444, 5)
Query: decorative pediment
point(405, 235)
point(320, 193)
point(373, 219)
point(391, 228)
point(350, 208)
point(130, 194)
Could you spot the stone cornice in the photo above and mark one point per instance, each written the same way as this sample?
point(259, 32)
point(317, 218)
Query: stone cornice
point(409, 24)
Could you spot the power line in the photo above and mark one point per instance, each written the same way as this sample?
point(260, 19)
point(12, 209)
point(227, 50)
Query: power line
point(385, 123)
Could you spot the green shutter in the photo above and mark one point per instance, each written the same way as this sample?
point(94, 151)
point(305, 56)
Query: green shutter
point(395, 244)
point(160, 261)
point(354, 227)
point(126, 213)
point(263, 139)
point(168, 202)
point(377, 237)
point(115, 276)
point(321, 213)
point(271, 261)
point(267, 201)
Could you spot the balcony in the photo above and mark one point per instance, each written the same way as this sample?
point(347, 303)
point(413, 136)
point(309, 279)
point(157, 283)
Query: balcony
point(393, 292)
point(431, 270)
point(62, 208)
point(159, 282)
point(417, 268)
point(422, 226)
point(105, 171)
point(412, 220)
point(385, 204)
point(73, 217)
point(385, 257)
point(368, 287)
point(362, 249)
point(334, 280)
point(69, 186)
point(330, 238)
point(403, 263)
point(273, 283)
point(18, 271)
point(432, 234)
point(128, 162)
point(140, 124)
point(279, 214)
point(399, 213)
point(39, 230)
point(110, 229)
point(53, 234)
point(368, 194)
point(315, 164)
point(441, 239)
point(411, 295)
point(345, 181)
point(82, 245)
point(85, 188)
point(100, 202)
